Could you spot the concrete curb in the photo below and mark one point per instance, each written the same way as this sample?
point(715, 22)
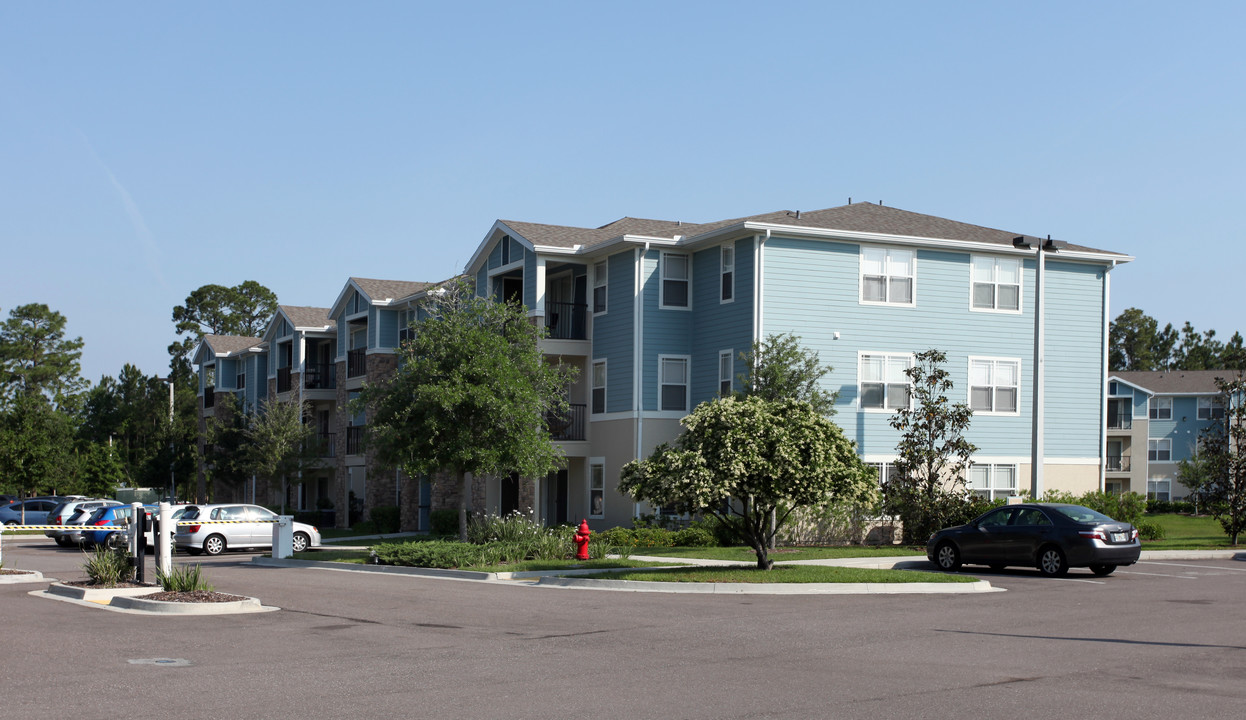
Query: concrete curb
point(162, 607)
point(26, 576)
point(980, 586)
point(98, 595)
point(380, 569)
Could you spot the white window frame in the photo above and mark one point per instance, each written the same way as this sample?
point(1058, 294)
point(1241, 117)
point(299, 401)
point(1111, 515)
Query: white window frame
point(1153, 488)
point(1210, 408)
point(994, 363)
point(994, 283)
point(663, 279)
point(884, 469)
point(726, 381)
point(887, 275)
point(687, 383)
point(597, 486)
point(994, 487)
point(601, 279)
point(1157, 406)
point(887, 358)
point(505, 256)
point(594, 388)
point(240, 381)
point(1159, 446)
point(726, 283)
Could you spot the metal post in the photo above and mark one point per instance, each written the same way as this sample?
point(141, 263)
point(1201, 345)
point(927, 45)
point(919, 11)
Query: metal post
point(1036, 443)
point(164, 545)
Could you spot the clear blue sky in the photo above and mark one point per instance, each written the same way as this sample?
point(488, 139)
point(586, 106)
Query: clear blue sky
point(148, 149)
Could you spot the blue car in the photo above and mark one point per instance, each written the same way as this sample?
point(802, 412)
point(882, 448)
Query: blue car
point(33, 511)
point(106, 526)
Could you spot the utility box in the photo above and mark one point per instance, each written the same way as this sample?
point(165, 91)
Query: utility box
point(283, 537)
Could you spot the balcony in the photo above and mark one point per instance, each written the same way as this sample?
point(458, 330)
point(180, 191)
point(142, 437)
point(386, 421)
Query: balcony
point(356, 362)
point(325, 445)
point(1120, 423)
point(566, 321)
point(1117, 463)
point(283, 379)
point(320, 376)
point(568, 425)
point(354, 439)
point(209, 396)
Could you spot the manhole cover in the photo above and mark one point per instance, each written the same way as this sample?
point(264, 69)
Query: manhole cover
point(163, 662)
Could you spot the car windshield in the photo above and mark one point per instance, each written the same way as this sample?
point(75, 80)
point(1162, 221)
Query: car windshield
point(1080, 514)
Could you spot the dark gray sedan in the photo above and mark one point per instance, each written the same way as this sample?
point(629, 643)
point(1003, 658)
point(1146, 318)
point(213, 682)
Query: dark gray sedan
point(1052, 537)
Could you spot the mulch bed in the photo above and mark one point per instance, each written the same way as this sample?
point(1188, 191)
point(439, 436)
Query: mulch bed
point(10, 571)
point(194, 596)
point(90, 584)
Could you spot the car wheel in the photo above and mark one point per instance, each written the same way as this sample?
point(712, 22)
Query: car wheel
point(11, 522)
point(114, 541)
point(301, 541)
point(214, 545)
point(1102, 570)
point(63, 541)
point(947, 557)
point(1051, 561)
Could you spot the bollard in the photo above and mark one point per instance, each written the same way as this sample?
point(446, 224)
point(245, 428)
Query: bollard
point(164, 542)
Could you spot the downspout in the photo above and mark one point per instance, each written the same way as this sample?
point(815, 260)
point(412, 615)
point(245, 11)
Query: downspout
point(1103, 409)
point(638, 354)
point(302, 384)
point(759, 246)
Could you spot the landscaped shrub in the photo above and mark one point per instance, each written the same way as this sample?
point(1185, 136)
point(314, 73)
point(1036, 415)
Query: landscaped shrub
point(443, 522)
point(1150, 530)
point(1125, 507)
point(1165, 507)
point(386, 518)
point(725, 534)
point(694, 537)
point(653, 537)
point(433, 554)
point(184, 578)
point(829, 524)
point(108, 567)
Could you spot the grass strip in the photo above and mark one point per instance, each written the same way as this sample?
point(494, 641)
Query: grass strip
point(784, 574)
point(745, 554)
point(1188, 532)
point(362, 557)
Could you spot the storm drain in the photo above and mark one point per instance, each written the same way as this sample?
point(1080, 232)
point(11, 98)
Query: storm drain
point(163, 662)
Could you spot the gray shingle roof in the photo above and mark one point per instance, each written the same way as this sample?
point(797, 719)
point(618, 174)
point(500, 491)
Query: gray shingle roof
point(1176, 382)
point(303, 316)
point(381, 290)
point(229, 344)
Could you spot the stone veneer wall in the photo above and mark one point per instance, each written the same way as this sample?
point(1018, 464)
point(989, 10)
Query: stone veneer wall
point(382, 482)
point(341, 501)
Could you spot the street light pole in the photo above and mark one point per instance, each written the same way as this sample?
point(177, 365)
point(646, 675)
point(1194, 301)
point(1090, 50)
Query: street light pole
point(1040, 247)
point(172, 458)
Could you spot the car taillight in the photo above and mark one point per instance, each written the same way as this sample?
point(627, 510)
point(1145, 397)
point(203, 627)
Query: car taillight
point(1134, 535)
point(58, 521)
point(1092, 534)
point(192, 529)
point(101, 522)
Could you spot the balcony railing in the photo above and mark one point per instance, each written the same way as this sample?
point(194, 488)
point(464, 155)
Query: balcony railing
point(566, 321)
point(326, 445)
point(1117, 463)
point(354, 439)
point(283, 379)
point(568, 425)
point(209, 396)
point(1120, 423)
point(356, 362)
point(320, 376)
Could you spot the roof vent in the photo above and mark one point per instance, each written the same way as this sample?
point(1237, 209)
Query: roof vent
point(797, 214)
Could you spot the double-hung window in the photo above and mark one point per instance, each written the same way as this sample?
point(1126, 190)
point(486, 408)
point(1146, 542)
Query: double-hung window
point(728, 274)
point(673, 383)
point(675, 281)
point(994, 385)
point(887, 275)
point(1210, 408)
point(1159, 450)
point(1159, 489)
point(725, 367)
point(884, 384)
point(406, 332)
point(1160, 408)
point(992, 481)
point(242, 376)
point(597, 488)
point(996, 284)
point(599, 288)
point(599, 387)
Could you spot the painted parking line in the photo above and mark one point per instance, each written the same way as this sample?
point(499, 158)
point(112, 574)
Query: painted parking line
point(1200, 567)
point(1134, 572)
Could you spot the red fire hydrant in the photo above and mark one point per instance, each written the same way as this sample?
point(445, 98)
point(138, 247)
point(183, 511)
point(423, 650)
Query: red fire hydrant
point(581, 540)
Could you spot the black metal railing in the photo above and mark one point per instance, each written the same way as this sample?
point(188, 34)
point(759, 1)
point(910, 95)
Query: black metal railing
point(566, 321)
point(1120, 423)
point(283, 379)
point(326, 445)
point(320, 376)
point(1117, 463)
point(567, 425)
point(209, 396)
point(356, 362)
point(354, 439)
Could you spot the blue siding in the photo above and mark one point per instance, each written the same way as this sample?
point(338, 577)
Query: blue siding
point(388, 327)
point(1141, 404)
point(343, 339)
point(719, 326)
point(1183, 429)
point(482, 282)
point(1074, 345)
point(667, 331)
point(529, 276)
point(495, 256)
point(373, 311)
point(613, 331)
point(226, 373)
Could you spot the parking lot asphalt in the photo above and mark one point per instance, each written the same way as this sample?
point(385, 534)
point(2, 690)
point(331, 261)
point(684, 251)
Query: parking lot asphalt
point(1162, 639)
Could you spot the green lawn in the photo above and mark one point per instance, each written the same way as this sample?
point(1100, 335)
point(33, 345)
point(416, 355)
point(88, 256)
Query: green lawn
point(785, 574)
point(1188, 532)
point(745, 554)
point(361, 557)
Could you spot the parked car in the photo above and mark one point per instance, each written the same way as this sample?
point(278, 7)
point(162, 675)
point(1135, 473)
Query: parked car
point(106, 525)
point(35, 510)
point(236, 526)
point(6, 499)
point(1052, 537)
point(62, 514)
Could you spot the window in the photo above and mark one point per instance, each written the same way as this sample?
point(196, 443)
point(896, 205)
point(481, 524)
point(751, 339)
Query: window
point(674, 280)
point(1159, 489)
point(1159, 450)
point(242, 376)
point(887, 276)
point(992, 481)
point(886, 471)
point(728, 274)
point(599, 288)
point(994, 385)
point(884, 386)
point(996, 284)
point(673, 379)
point(725, 366)
point(1161, 408)
point(506, 249)
point(597, 488)
point(1210, 408)
point(406, 318)
point(599, 387)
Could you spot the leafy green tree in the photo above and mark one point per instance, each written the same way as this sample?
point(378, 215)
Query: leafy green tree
point(36, 357)
point(927, 487)
point(773, 455)
point(100, 470)
point(1195, 474)
point(225, 444)
point(243, 309)
point(780, 369)
point(280, 444)
point(1197, 351)
point(1135, 342)
point(1223, 449)
point(470, 395)
point(36, 443)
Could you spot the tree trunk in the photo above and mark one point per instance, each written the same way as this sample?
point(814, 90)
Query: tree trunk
point(464, 489)
point(763, 558)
